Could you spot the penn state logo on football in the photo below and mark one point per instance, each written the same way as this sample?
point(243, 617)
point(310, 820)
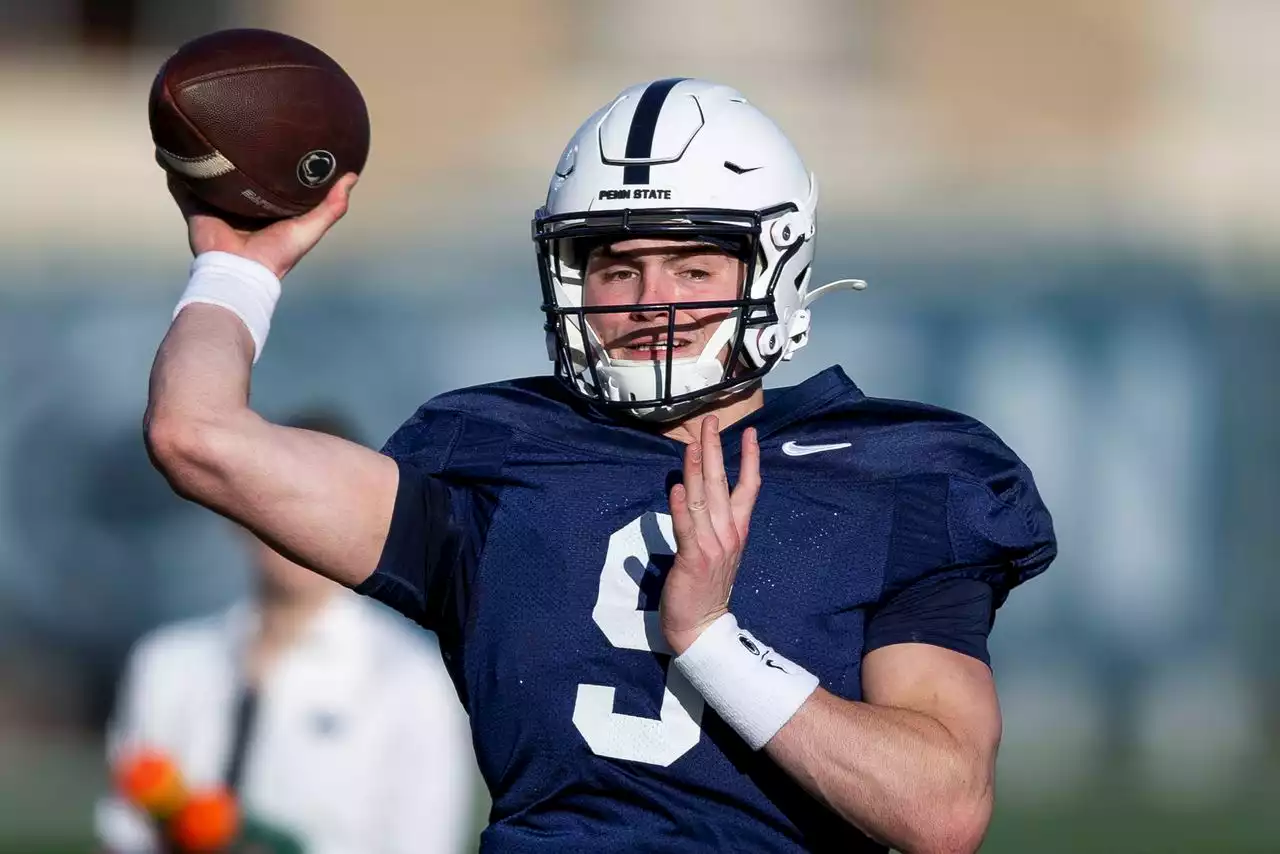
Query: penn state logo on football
point(316, 167)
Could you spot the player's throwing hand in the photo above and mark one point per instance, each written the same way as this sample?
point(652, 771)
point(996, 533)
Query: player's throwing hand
point(278, 246)
point(711, 525)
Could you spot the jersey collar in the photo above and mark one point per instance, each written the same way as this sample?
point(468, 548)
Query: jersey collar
point(791, 404)
point(782, 407)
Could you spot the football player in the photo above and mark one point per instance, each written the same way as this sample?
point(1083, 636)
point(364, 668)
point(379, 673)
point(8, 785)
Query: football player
point(685, 614)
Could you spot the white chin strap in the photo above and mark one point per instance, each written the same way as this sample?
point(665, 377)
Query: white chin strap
point(625, 380)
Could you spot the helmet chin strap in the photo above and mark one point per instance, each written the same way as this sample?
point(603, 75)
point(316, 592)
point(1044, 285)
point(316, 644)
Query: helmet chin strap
point(646, 378)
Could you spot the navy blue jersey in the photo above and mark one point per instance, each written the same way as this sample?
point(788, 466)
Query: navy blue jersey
point(531, 532)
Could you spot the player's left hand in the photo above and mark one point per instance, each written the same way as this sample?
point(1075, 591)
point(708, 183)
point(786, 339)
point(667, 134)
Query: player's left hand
point(710, 524)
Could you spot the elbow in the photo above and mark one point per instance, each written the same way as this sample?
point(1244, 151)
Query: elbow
point(186, 452)
point(959, 828)
point(967, 825)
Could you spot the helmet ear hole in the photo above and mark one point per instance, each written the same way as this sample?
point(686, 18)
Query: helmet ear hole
point(770, 341)
point(786, 231)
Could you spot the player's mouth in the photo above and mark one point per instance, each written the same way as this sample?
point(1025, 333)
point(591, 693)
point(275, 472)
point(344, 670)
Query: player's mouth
point(655, 348)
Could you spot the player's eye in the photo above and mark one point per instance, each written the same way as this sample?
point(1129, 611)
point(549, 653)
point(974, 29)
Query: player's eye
point(697, 274)
point(618, 274)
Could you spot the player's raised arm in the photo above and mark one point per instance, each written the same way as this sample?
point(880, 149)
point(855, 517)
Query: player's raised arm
point(323, 501)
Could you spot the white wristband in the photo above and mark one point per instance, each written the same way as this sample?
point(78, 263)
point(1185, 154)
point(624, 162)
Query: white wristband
point(246, 288)
point(752, 687)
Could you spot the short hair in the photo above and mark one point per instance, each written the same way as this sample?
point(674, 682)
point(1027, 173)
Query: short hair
point(324, 419)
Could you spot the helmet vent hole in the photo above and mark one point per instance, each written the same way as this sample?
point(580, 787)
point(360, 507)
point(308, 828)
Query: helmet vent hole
point(770, 341)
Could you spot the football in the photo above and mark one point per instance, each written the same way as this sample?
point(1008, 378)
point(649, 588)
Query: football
point(256, 123)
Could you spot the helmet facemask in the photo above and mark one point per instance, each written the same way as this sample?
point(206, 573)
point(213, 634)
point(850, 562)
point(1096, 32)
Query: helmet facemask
point(669, 387)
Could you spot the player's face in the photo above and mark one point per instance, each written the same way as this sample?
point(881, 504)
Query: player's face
point(653, 272)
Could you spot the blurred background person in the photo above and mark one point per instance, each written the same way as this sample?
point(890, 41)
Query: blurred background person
point(332, 720)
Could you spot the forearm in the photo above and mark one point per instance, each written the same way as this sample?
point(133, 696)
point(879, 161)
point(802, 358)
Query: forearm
point(898, 775)
point(198, 412)
point(912, 767)
point(320, 500)
point(201, 372)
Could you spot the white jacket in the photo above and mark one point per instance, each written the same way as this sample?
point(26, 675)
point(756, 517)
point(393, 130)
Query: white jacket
point(360, 745)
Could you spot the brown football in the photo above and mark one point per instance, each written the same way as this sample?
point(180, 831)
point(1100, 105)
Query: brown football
point(257, 123)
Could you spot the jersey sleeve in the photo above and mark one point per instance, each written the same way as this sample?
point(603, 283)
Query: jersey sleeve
point(962, 539)
point(954, 612)
point(450, 468)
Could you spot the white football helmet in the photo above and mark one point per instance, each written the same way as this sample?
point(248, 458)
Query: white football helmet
point(669, 159)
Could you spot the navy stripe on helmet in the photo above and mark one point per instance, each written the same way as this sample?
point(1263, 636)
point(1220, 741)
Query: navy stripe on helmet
point(643, 125)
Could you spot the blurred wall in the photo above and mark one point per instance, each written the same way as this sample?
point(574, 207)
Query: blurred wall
point(1146, 120)
point(1066, 211)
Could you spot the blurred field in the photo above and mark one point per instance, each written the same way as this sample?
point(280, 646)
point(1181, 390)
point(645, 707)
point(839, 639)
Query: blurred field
point(40, 793)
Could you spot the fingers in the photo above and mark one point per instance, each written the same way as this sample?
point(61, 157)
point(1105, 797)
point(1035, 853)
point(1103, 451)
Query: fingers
point(207, 228)
point(743, 499)
point(186, 201)
point(716, 482)
point(309, 227)
point(339, 196)
point(682, 522)
point(194, 207)
point(720, 518)
point(696, 493)
point(283, 244)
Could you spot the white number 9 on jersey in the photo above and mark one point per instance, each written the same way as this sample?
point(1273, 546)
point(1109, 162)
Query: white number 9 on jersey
point(618, 614)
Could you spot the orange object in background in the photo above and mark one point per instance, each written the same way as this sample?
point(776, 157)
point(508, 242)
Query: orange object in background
point(207, 822)
point(152, 781)
point(194, 821)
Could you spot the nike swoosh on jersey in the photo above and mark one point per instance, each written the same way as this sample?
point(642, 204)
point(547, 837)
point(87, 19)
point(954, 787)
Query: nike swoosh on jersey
point(791, 449)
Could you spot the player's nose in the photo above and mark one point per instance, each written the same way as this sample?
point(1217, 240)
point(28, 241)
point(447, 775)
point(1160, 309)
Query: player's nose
point(656, 288)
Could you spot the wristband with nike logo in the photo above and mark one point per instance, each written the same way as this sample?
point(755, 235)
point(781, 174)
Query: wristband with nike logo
point(752, 687)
